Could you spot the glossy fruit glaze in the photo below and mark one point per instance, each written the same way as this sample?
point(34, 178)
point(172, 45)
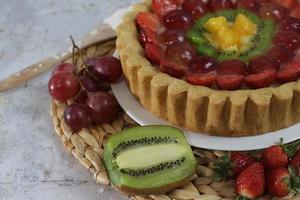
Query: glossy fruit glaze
point(163, 34)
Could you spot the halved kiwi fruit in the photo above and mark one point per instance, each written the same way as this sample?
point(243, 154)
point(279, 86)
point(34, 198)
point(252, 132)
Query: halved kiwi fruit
point(258, 44)
point(149, 160)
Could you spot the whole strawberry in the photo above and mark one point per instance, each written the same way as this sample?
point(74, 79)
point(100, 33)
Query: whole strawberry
point(295, 162)
point(274, 157)
point(250, 183)
point(282, 182)
point(231, 165)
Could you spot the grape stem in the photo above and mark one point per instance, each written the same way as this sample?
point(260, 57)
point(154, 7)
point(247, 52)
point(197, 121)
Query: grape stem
point(75, 50)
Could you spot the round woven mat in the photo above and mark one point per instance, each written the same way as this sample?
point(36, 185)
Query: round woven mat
point(87, 146)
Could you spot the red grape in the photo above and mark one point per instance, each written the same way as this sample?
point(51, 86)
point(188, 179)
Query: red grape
point(76, 117)
point(178, 19)
point(262, 63)
point(287, 39)
point(281, 54)
point(88, 82)
point(64, 67)
point(171, 36)
point(176, 58)
point(81, 97)
point(232, 67)
point(102, 107)
point(291, 24)
point(202, 65)
point(63, 86)
point(252, 5)
point(215, 5)
point(197, 7)
point(106, 69)
point(273, 11)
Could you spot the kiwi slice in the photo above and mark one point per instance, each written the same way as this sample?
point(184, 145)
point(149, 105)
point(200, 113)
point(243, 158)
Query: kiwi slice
point(149, 160)
point(258, 44)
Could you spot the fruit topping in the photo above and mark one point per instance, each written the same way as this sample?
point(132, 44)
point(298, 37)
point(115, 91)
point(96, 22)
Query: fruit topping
point(290, 72)
point(251, 5)
point(178, 19)
point(250, 183)
point(291, 24)
point(147, 36)
point(64, 67)
point(200, 79)
point(101, 106)
point(286, 3)
point(232, 67)
point(261, 63)
point(107, 68)
point(147, 20)
point(63, 86)
point(199, 71)
point(288, 39)
point(161, 7)
point(280, 54)
point(274, 157)
point(262, 79)
point(244, 25)
point(272, 11)
point(215, 5)
point(76, 116)
point(295, 162)
point(149, 160)
point(229, 81)
point(202, 64)
point(196, 7)
point(153, 53)
point(171, 36)
point(296, 11)
point(176, 58)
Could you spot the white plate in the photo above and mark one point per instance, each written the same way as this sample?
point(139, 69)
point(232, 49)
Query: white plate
point(142, 116)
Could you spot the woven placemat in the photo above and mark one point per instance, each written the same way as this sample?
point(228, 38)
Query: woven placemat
point(87, 146)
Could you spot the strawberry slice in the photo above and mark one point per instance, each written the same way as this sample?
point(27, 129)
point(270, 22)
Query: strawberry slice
point(261, 79)
point(285, 3)
point(147, 36)
point(296, 11)
point(229, 82)
point(161, 7)
point(200, 79)
point(153, 53)
point(250, 183)
point(173, 68)
point(232, 67)
point(291, 72)
point(147, 20)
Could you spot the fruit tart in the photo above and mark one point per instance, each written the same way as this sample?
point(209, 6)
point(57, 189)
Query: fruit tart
point(216, 67)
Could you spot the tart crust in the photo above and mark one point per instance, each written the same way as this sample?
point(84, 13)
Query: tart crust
point(201, 109)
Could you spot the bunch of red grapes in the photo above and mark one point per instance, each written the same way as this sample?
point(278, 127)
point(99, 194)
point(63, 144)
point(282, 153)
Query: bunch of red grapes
point(88, 89)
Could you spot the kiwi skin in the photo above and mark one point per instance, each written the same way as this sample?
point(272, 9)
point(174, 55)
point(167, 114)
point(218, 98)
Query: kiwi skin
point(157, 191)
point(153, 190)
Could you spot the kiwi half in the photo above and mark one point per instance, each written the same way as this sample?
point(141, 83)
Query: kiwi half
point(149, 160)
point(258, 44)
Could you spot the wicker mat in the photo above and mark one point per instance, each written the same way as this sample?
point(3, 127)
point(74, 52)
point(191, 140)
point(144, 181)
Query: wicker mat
point(87, 146)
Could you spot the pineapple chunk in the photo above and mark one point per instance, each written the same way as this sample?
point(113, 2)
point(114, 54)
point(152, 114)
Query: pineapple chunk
point(228, 39)
point(215, 24)
point(244, 25)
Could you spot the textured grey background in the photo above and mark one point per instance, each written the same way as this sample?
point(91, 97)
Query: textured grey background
point(33, 162)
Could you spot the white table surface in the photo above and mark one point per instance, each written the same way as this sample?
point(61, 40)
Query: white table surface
point(33, 163)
